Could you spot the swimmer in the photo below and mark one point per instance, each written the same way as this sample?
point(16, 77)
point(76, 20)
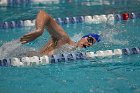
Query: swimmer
point(58, 36)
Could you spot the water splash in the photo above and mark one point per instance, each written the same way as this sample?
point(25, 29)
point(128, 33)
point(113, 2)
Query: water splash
point(8, 47)
point(77, 37)
point(13, 49)
point(109, 34)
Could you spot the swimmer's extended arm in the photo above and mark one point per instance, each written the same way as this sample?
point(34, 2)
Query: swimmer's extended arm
point(42, 20)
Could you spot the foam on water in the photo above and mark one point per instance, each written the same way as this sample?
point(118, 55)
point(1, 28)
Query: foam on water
point(77, 37)
point(13, 49)
point(109, 37)
point(9, 47)
point(110, 32)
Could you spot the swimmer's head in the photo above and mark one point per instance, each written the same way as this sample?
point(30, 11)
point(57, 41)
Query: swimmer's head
point(88, 40)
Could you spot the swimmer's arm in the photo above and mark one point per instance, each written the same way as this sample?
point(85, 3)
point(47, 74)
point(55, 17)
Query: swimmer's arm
point(55, 30)
point(30, 36)
point(41, 21)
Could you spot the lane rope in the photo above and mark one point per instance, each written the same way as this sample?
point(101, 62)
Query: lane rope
point(28, 2)
point(96, 19)
point(66, 57)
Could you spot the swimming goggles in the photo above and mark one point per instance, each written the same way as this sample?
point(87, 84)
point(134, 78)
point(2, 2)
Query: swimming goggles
point(90, 39)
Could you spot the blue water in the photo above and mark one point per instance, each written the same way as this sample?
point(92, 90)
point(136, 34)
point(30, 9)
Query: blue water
point(119, 74)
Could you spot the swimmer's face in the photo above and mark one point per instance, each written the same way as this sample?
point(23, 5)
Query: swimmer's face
point(86, 42)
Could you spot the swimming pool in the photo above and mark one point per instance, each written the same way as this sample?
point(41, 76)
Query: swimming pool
point(118, 74)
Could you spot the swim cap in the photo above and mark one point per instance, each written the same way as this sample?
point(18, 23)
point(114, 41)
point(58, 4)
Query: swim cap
point(96, 36)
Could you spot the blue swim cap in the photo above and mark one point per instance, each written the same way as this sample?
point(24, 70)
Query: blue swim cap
point(96, 36)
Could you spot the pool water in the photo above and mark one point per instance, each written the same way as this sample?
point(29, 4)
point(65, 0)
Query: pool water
point(117, 74)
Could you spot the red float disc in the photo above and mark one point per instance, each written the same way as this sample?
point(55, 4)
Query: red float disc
point(125, 16)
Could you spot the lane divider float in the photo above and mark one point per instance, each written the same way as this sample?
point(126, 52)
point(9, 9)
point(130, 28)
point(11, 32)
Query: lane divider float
point(27, 2)
point(14, 2)
point(66, 57)
point(96, 19)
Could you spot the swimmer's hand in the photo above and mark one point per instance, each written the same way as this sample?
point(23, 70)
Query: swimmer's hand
point(30, 37)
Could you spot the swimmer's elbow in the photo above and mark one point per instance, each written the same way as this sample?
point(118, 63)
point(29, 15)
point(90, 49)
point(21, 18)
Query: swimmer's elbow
point(39, 31)
point(41, 11)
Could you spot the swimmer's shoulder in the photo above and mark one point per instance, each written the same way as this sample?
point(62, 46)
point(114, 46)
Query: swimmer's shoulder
point(65, 38)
